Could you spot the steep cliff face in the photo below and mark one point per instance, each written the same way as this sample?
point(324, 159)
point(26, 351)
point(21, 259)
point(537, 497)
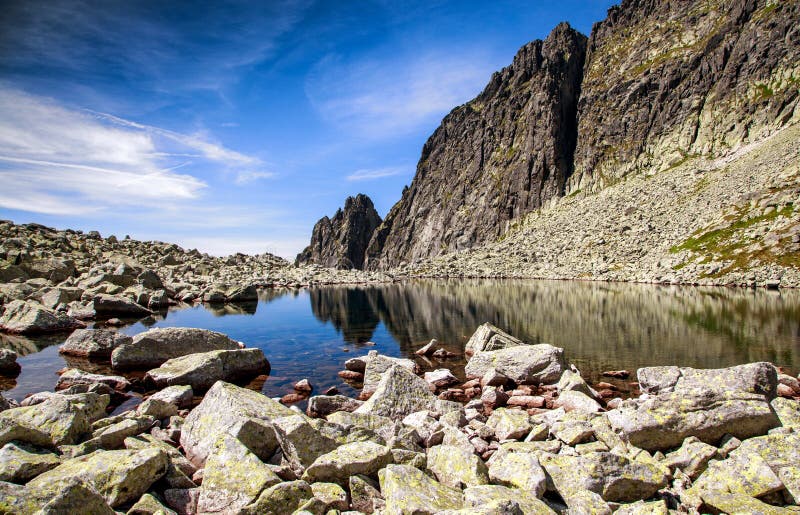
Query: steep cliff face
point(668, 80)
point(500, 156)
point(341, 241)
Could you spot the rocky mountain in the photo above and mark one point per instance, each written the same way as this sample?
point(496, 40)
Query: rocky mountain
point(498, 157)
point(658, 84)
point(341, 241)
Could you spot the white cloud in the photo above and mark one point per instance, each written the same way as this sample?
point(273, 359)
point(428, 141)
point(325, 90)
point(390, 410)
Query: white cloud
point(382, 97)
point(371, 174)
point(56, 160)
point(246, 177)
point(223, 246)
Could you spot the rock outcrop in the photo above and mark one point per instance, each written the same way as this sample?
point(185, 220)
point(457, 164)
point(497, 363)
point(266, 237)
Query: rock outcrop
point(341, 241)
point(494, 159)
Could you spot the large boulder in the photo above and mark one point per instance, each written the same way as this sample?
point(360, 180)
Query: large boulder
point(523, 364)
point(72, 497)
point(28, 317)
point(20, 463)
point(376, 365)
point(118, 476)
point(155, 346)
point(324, 405)
point(664, 421)
point(61, 296)
point(761, 378)
point(280, 499)
point(479, 497)
point(8, 363)
point(300, 442)
point(74, 376)
point(488, 338)
point(58, 420)
point(409, 490)
point(202, 370)
point(347, 460)
point(112, 306)
point(241, 413)
point(456, 467)
point(93, 343)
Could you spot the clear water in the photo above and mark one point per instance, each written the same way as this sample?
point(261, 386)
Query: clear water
point(310, 333)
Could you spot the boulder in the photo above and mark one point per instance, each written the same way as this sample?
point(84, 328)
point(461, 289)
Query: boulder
point(74, 376)
point(148, 504)
point(519, 470)
point(324, 405)
point(724, 502)
point(106, 306)
point(787, 410)
point(509, 423)
point(93, 343)
point(377, 365)
point(20, 463)
point(300, 442)
point(150, 280)
point(178, 395)
point(61, 296)
point(523, 364)
point(489, 338)
point(401, 393)
point(118, 476)
point(29, 317)
point(744, 471)
point(408, 490)
point(691, 458)
point(440, 378)
point(456, 467)
point(664, 421)
point(8, 363)
point(241, 413)
point(761, 378)
point(73, 497)
point(280, 499)
point(574, 400)
point(58, 420)
point(114, 435)
point(477, 497)
point(202, 370)
point(348, 460)
point(233, 477)
point(155, 346)
point(332, 495)
point(364, 493)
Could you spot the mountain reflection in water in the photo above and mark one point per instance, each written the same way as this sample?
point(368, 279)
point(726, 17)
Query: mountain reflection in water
point(602, 326)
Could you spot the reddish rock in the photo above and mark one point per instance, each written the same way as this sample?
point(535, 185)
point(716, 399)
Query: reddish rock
point(521, 390)
point(473, 392)
point(526, 401)
point(331, 391)
point(454, 394)
point(619, 374)
point(606, 393)
point(427, 350)
point(494, 398)
point(303, 386)
point(602, 385)
point(352, 375)
point(364, 396)
point(292, 398)
point(785, 391)
point(470, 384)
point(182, 500)
point(444, 354)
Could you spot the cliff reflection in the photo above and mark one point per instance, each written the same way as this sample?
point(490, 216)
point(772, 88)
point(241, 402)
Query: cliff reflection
point(601, 325)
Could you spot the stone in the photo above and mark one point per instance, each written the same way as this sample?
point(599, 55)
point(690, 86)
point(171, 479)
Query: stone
point(28, 317)
point(239, 412)
point(377, 365)
point(427, 349)
point(476, 497)
point(303, 386)
point(488, 338)
point(691, 458)
point(725, 502)
point(456, 467)
point(347, 460)
point(113, 436)
point(179, 468)
point(58, 420)
point(148, 504)
point(787, 410)
point(440, 378)
point(233, 477)
point(19, 462)
point(408, 490)
point(742, 472)
point(509, 423)
point(341, 241)
point(150, 280)
point(74, 376)
point(74, 497)
point(363, 492)
point(526, 401)
point(182, 500)
point(644, 508)
point(107, 306)
point(399, 393)
point(178, 395)
point(156, 408)
point(664, 421)
point(300, 442)
point(155, 346)
point(8, 363)
point(523, 364)
point(494, 378)
point(572, 381)
point(118, 476)
point(519, 470)
point(324, 405)
point(202, 370)
point(761, 378)
point(280, 499)
point(494, 398)
point(574, 400)
point(332, 495)
point(93, 343)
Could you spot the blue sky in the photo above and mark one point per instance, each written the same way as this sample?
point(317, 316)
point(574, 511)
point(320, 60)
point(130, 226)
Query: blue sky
point(235, 126)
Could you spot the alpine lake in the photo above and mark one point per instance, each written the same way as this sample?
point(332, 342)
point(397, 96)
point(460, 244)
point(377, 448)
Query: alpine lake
point(309, 333)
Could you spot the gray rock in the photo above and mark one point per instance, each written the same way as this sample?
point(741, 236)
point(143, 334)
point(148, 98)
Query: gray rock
point(155, 346)
point(574, 400)
point(408, 490)
point(488, 338)
point(456, 467)
point(202, 370)
point(348, 460)
point(509, 423)
point(761, 378)
point(300, 442)
point(787, 410)
point(61, 296)
point(280, 499)
point(148, 504)
point(20, 463)
point(74, 376)
point(118, 476)
point(324, 405)
point(241, 413)
point(665, 420)
point(477, 497)
point(31, 317)
point(519, 470)
point(376, 366)
point(73, 497)
point(363, 493)
point(112, 306)
point(524, 364)
point(113, 436)
point(332, 495)
point(93, 343)
point(398, 394)
point(691, 458)
point(157, 408)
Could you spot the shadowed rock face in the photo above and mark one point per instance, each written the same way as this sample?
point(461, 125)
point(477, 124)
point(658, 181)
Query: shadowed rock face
point(498, 157)
point(667, 80)
point(341, 241)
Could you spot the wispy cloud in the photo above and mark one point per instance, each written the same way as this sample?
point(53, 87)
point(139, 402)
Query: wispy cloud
point(371, 174)
point(246, 177)
point(380, 97)
point(57, 160)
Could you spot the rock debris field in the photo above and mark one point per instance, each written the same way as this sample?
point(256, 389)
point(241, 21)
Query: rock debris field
point(524, 434)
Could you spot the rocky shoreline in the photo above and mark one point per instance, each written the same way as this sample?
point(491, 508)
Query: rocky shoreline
point(524, 434)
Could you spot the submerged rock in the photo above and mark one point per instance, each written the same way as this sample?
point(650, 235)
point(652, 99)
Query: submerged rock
point(73, 376)
point(155, 346)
